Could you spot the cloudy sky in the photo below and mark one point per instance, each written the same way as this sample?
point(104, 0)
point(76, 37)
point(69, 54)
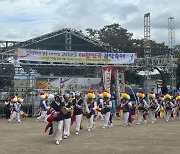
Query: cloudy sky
point(24, 19)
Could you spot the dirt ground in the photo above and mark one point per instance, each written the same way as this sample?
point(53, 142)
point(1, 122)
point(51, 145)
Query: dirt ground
point(28, 137)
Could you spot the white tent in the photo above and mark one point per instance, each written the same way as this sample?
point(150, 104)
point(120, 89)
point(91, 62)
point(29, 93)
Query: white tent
point(154, 72)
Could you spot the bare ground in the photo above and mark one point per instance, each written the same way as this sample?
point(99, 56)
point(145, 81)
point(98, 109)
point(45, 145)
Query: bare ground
point(28, 137)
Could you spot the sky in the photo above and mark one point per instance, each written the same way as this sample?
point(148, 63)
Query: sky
point(21, 20)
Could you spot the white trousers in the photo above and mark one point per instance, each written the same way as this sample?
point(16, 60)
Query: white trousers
point(99, 114)
point(152, 115)
point(167, 114)
point(140, 116)
point(15, 115)
point(67, 123)
point(125, 118)
point(42, 116)
point(59, 130)
point(91, 121)
point(106, 118)
point(78, 122)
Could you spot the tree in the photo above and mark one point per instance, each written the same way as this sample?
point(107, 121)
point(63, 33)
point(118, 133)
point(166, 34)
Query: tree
point(133, 78)
point(92, 33)
point(116, 36)
point(113, 35)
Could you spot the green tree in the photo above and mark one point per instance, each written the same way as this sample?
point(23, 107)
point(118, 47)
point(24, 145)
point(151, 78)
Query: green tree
point(133, 78)
point(114, 35)
point(92, 33)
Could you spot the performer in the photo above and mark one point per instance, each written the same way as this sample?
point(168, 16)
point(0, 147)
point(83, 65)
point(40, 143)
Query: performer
point(107, 106)
point(43, 106)
point(90, 107)
point(153, 106)
point(113, 106)
point(113, 110)
point(67, 117)
point(72, 96)
point(178, 105)
point(56, 117)
point(16, 109)
point(142, 106)
point(168, 106)
point(125, 105)
point(160, 102)
point(173, 100)
point(99, 106)
point(22, 113)
point(78, 106)
point(8, 107)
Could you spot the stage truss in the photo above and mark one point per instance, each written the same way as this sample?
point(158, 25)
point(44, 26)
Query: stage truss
point(72, 69)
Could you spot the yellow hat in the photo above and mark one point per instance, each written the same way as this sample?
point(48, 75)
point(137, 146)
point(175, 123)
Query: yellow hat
point(125, 95)
point(140, 94)
point(151, 94)
point(178, 97)
point(90, 94)
point(106, 94)
point(167, 96)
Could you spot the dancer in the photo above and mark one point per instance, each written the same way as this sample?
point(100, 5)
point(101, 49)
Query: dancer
point(125, 105)
point(78, 106)
point(90, 106)
point(168, 106)
point(113, 106)
point(160, 102)
point(153, 106)
point(107, 106)
point(173, 100)
point(178, 105)
point(8, 106)
point(44, 105)
point(56, 117)
point(67, 117)
point(20, 101)
point(99, 106)
point(16, 109)
point(142, 106)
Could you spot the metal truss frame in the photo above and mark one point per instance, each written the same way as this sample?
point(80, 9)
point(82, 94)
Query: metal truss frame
point(7, 48)
point(171, 40)
point(147, 48)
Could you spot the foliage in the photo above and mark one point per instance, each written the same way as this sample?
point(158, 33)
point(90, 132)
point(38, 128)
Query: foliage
point(133, 78)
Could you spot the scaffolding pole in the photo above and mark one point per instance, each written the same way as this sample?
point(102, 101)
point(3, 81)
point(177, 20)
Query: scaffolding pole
point(147, 49)
point(171, 41)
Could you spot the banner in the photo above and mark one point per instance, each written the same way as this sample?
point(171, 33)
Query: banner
point(66, 84)
point(159, 83)
point(76, 56)
point(106, 75)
